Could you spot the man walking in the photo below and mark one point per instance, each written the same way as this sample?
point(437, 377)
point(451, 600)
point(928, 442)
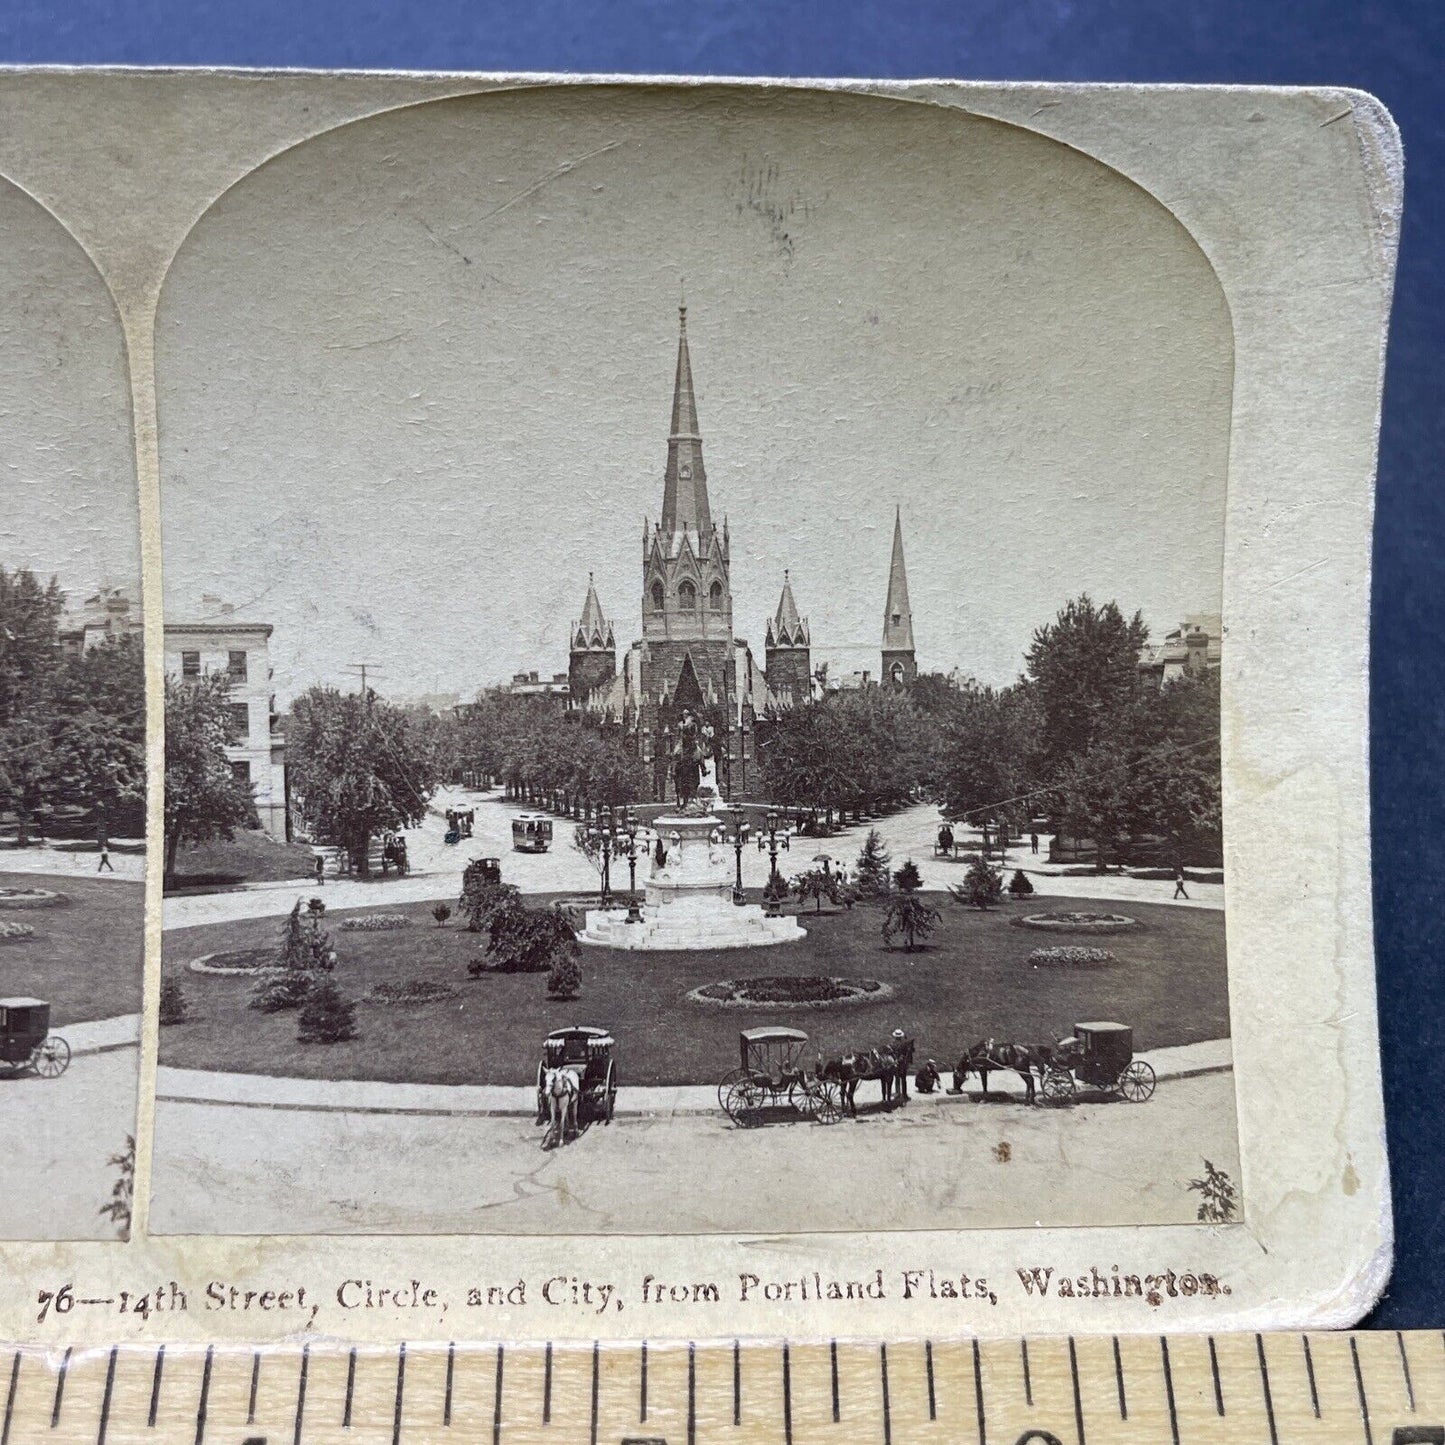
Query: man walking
point(1034, 841)
point(105, 865)
point(320, 871)
point(1179, 882)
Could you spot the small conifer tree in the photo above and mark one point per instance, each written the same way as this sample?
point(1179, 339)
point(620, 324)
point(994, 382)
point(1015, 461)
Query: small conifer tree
point(173, 1002)
point(908, 878)
point(1019, 884)
point(565, 977)
point(982, 886)
point(872, 869)
point(326, 1017)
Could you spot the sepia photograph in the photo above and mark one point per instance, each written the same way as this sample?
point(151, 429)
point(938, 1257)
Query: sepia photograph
point(72, 742)
point(693, 635)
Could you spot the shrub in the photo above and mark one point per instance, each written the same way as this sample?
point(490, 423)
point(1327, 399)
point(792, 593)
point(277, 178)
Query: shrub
point(775, 890)
point(441, 913)
point(872, 866)
point(376, 923)
point(564, 980)
point(304, 943)
point(908, 878)
point(326, 1017)
point(982, 886)
point(281, 988)
point(526, 940)
point(908, 914)
point(413, 991)
point(1070, 956)
point(14, 932)
point(1019, 884)
point(173, 1002)
point(817, 884)
point(480, 897)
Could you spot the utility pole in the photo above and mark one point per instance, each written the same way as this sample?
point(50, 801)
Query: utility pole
point(362, 667)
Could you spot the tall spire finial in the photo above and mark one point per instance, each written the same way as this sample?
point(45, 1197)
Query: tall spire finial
point(897, 611)
point(684, 496)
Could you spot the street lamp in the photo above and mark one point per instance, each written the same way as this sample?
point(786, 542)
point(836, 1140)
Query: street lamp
point(738, 839)
point(629, 825)
point(773, 837)
point(604, 834)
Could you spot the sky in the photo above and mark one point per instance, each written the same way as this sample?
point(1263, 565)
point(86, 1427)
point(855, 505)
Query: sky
point(68, 499)
point(415, 375)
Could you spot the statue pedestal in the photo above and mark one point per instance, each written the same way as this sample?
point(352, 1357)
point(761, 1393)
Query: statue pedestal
point(690, 897)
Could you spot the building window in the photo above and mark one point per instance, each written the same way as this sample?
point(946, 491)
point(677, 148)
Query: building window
point(240, 721)
point(236, 666)
point(657, 602)
point(897, 673)
point(686, 595)
point(190, 664)
point(714, 597)
point(241, 771)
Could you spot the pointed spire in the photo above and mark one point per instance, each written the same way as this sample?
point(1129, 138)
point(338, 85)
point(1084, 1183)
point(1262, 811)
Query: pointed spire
point(898, 612)
point(684, 494)
point(788, 627)
point(593, 624)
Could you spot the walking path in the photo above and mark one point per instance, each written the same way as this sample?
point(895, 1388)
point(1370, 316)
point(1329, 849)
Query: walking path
point(100, 1036)
point(44, 859)
point(196, 1086)
point(436, 867)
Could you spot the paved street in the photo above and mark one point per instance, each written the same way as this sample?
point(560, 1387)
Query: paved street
point(242, 1170)
point(437, 867)
point(58, 1135)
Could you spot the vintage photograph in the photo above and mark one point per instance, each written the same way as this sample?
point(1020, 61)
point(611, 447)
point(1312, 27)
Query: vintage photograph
point(692, 641)
point(72, 742)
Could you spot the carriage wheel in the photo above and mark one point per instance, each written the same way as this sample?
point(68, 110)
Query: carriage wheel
point(541, 1095)
point(1058, 1086)
point(51, 1058)
point(827, 1103)
point(1137, 1082)
point(726, 1082)
point(609, 1091)
point(745, 1102)
point(802, 1097)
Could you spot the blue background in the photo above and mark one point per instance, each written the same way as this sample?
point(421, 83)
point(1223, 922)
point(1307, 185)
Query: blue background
point(1395, 50)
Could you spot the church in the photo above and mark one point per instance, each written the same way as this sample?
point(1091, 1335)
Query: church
point(689, 657)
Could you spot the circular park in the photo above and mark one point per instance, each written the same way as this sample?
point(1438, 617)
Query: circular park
point(425, 1013)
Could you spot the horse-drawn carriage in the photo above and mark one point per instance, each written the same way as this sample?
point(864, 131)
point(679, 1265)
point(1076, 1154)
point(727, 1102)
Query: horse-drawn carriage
point(771, 1073)
point(586, 1055)
point(26, 1040)
point(1100, 1055)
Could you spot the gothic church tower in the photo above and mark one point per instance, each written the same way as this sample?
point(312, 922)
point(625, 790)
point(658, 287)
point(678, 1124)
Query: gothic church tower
point(788, 658)
point(592, 659)
point(899, 666)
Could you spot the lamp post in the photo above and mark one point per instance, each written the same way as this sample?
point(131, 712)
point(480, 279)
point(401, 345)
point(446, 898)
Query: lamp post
point(629, 829)
point(773, 837)
point(604, 834)
point(738, 839)
point(743, 758)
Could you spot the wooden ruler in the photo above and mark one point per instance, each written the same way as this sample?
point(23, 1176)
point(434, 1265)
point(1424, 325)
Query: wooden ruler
point(1275, 1389)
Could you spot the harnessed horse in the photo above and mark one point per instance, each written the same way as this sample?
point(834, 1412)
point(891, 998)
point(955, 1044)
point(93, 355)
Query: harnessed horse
point(563, 1088)
point(889, 1065)
point(988, 1054)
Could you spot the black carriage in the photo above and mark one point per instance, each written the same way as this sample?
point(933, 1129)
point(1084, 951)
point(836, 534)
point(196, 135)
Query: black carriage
point(26, 1041)
point(772, 1072)
point(590, 1052)
point(1100, 1055)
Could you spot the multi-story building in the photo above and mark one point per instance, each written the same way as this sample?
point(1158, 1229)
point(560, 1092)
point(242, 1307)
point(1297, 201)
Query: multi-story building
point(218, 641)
point(1190, 649)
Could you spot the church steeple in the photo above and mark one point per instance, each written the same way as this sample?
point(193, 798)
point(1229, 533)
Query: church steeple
point(899, 665)
point(788, 658)
point(684, 493)
point(592, 657)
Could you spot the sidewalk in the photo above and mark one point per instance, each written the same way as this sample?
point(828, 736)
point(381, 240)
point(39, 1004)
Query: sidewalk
point(260, 1091)
point(100, 1036)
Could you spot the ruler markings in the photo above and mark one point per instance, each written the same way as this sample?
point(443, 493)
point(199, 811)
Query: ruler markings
point(1078, 1398)
point(642, 1388)
point(738, 1382)
point(350, 1388)
point(547, 1387)
point(887, 1405)
point(497, 1400)
point(1169, 1390)
point(451, 1378)
point(155, 1388)
point(204, 1399)
point(1405, 1370)
point(978, 1393)
point(1360, 1391)
point(1119, 1382)
point(10, 1399)
point(691, 1394)
point(255, 1383)
point(788, 1399)
point(1028, 1379)
point(300, 1393)
point(1268, 1396)
point(60, 1388)
point(1214, 1371)
point(596, 1369)
point(833, 1371)
point(400, 1393)
point(928, 1366)
point(105, 1398)
point(1310, 1372)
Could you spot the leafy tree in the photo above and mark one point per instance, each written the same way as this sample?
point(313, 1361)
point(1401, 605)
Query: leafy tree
point(907, 913)
point(991, 755)
point(360, 767)
point(526, 940)
point(982, 886)
point(326, 1017)
point(817, 884)
point(872, 866)
point(29, 637)
point(481, 898)
point(204, 798)
point(441, 913)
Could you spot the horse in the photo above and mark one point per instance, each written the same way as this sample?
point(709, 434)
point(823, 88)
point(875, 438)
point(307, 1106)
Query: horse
point(1025, 1060)
point(889, 1065)
point(563, 1090)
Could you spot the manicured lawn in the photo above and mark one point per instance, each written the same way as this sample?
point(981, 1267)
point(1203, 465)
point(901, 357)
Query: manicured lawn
point(252, 856)
point(971, 982)
point(86, 956)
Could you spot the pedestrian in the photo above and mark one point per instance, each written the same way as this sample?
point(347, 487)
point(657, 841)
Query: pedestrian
point(902, 1048)
point(1179, 882)
point(104, 866)
point(1034, 841)
point(320, 866)
point(927, 1079)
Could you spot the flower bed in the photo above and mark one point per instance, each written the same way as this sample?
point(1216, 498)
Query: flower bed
point(30, 898)
point(1071, 956)
point(1079, 922)
point(413, 991)
point(14, 932)
point(375, 923)
point(806, 991)
point(249, 961)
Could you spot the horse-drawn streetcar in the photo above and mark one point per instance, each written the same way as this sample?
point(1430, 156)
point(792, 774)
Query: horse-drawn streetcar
point(1100, 1055)
point(772, 1073)
point(577, 1069)
point(26, 1040)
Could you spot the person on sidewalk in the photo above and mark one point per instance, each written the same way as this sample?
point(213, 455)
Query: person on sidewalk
point(1179, 882)
point(320, 871)
point(1034, 841)
point(105, 865)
